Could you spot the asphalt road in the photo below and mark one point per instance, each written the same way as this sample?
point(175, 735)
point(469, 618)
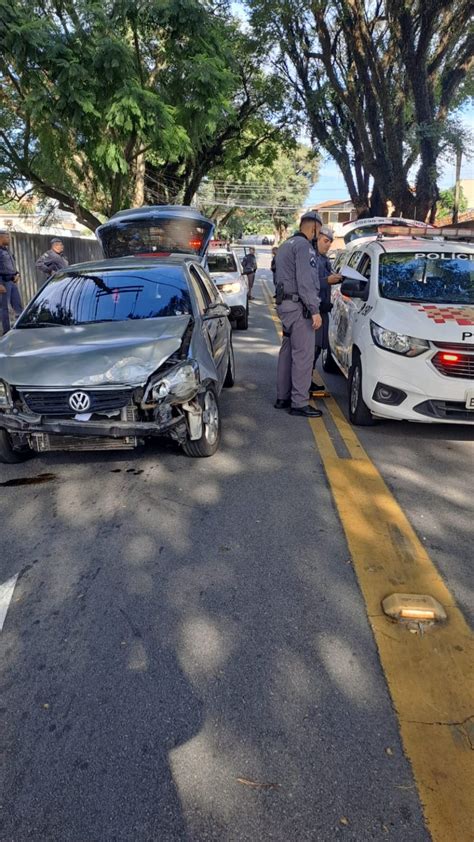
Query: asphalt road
point(182, 630)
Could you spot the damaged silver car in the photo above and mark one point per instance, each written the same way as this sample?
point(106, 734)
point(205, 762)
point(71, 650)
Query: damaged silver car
point(109, 354)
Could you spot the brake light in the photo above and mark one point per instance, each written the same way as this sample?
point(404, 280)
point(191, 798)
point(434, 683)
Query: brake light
point(450, 358)
point(195, 244)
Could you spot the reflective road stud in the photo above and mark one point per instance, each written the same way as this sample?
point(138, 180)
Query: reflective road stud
point(409, 606)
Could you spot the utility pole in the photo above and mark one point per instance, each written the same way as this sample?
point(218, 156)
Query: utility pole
point(457, 187)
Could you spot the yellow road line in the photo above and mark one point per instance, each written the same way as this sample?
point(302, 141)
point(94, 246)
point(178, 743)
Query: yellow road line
point(430, 676)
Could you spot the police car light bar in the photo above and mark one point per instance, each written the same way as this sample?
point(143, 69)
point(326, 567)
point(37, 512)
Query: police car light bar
point(429, 231)
point(409, 230)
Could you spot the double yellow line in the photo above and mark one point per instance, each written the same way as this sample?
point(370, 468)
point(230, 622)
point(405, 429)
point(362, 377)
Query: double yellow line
point(430, 676)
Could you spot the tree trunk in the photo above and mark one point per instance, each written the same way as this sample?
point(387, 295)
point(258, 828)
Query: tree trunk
point(139, 191)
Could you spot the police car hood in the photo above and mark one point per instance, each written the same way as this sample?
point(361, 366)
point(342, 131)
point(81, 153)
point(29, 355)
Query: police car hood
point(221, 278)
point(437, 322)
point(124, 353)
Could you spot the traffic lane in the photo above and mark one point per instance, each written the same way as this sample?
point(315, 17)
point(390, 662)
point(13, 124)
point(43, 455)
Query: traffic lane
point(190, 625)
point(428, 467)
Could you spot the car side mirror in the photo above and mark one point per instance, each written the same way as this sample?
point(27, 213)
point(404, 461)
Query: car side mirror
point(352, 288)
point(216, 310)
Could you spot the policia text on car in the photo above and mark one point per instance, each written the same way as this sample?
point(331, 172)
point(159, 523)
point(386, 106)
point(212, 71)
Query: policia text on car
point(298, 302)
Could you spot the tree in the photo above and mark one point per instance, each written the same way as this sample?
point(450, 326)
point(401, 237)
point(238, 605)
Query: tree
point(446, 202)
point(92, 91)
point(264, 195)
point(377, 81)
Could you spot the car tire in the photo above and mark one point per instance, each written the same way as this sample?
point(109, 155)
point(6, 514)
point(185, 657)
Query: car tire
point(243, 322)
point(211, 428)
point(359, 412)
point(8, 455)
point(230, 376)
point(328, 362)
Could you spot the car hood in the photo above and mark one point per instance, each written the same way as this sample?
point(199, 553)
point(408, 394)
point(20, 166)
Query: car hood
point(438, 322)
point(124, 353)
point(221, 278)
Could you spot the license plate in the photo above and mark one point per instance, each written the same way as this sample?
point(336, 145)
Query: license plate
point(470, 399)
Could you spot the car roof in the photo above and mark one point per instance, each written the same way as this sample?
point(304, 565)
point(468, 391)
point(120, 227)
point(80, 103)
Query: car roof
point(409, 244)
point(122, 263)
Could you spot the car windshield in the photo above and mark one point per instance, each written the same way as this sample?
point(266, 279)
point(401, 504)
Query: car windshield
point(77, 298)
point(221, 263)
point(159, 235)
point(441, 278)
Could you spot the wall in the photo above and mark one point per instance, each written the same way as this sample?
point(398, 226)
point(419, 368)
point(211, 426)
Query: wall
point(28, 247)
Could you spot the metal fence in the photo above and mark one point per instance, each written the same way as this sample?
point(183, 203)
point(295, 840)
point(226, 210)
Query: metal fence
point(28, 247)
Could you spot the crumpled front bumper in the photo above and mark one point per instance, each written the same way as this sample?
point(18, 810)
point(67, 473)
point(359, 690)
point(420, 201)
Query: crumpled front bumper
point(110, 428)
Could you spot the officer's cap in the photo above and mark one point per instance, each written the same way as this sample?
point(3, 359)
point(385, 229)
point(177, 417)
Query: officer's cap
point(327, 232)
point(311, 216)
point(56, 240)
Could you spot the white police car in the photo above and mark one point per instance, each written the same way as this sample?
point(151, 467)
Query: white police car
point(226, 272)
point(402, 329)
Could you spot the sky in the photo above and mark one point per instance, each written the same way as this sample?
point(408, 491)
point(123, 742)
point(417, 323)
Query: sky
point(331, 185)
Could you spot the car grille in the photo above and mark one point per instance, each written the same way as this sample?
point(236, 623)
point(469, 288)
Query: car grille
point(57, 403)
point(449, 410)
point(462, 366)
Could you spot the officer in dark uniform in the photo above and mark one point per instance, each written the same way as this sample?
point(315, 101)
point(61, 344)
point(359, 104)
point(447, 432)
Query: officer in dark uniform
point(297, 298)
point(326, 279)
point(9, 278)
point(53, 260)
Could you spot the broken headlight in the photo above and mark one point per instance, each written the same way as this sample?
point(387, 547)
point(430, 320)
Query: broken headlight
point(4, 395)
point(180, 382)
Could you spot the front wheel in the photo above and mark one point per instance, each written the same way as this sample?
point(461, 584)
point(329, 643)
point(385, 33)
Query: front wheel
point(243, 322)
point(359, 412)
point(211, 427)
point(8, 455)
point(328, 362)
point(230, 375)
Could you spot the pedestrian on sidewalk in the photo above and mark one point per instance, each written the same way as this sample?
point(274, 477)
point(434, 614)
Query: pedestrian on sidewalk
point(327, 278)
point(297, 298)
point(249, 268)
point(9, 279)
point(53, 260)
point(273, 263)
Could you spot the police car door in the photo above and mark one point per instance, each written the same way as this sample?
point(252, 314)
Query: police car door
point(342, 318)
point(357, 310)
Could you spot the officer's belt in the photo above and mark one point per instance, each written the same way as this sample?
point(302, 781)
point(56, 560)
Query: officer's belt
point(291, 297)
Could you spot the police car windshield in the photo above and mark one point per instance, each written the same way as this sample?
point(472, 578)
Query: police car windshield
point(221, 262)
point(440, 278)
point(74, 298)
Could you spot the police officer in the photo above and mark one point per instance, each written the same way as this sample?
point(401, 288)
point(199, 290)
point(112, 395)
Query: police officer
point(326, 279)
point(297, 298)
point(9, 278)
point(249, 268)
point(53, 260)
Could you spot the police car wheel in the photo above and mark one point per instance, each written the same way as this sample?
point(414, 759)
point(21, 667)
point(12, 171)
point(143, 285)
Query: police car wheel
point(243, 322)
point(8, 455)
point(211, 427)
point(328, 363)
point(359, 413)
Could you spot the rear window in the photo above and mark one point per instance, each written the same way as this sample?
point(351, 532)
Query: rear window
point(221, 263)
point(77, 298)
point(163, 235)
point(440, 278)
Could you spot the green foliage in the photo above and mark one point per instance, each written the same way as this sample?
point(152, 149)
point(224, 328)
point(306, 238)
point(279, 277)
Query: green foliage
point(262, 196)
point(87, 88)
point(446, 202)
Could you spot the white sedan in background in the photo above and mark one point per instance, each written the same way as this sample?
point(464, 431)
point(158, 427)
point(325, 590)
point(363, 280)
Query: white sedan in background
point(225, 270)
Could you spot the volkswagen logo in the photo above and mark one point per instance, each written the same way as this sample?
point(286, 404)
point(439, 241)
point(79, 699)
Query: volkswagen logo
point(79, 402)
